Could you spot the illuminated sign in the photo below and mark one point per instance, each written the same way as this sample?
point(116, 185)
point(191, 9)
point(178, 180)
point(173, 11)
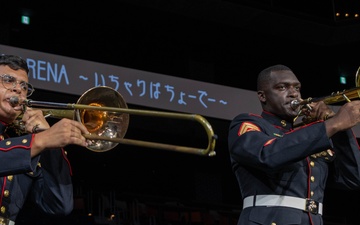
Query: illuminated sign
point(76, 76)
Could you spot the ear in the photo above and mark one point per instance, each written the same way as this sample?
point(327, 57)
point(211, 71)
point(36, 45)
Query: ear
point(261, 96)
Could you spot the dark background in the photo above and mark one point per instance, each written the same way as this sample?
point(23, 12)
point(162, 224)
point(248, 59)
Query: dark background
point(221, 42)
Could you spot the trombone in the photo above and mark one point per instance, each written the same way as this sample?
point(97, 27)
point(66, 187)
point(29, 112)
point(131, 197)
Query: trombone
point(105, 114)
point(335, 97)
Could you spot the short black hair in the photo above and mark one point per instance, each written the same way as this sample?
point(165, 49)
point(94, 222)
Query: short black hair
point(14, 62)
point(264, 75)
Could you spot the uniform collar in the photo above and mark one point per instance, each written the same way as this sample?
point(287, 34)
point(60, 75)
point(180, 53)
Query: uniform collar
point(3, 126)
point(277, 121)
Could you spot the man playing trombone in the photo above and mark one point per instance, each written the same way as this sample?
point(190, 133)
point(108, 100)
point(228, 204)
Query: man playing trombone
point(281, 170)
point(33, 164)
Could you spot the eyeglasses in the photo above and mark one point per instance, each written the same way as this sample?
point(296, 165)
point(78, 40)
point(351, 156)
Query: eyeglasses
point(10, 82)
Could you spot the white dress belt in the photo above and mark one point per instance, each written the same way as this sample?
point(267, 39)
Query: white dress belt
point(305, 204)
point(5, 221)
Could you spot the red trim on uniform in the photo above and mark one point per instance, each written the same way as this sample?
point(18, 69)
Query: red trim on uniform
point(257, 115)
point(279, 127)
point(67, 160)
point(269, 142)
point(15, 146)
point(32, 139)
point(309, 124)
point(357, 143)
point(306, 125)
point(308, 188)
point(269, 113)
point(2, 190)
point(309, 175)
point(62, 152)
point(19, 146)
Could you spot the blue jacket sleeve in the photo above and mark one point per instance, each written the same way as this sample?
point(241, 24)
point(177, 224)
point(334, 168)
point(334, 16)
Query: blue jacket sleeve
point(347, 160)
point(267, 147)
point(17, 151)
point(52, 189)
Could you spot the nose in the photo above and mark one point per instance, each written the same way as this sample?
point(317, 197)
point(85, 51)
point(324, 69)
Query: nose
point(16, 87)
point(294, 92)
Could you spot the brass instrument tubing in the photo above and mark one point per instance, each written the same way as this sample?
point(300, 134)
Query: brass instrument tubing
point(209, 151)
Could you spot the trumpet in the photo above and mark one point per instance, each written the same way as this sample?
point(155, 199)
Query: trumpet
point(345, 95)
point(335, 97)
point(105, 114)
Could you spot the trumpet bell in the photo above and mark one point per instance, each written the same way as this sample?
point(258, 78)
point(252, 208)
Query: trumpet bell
point(345, 95)
point(103, 123)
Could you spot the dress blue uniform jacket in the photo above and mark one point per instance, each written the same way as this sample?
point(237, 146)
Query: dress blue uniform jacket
point(269, 157)
point(44, 179)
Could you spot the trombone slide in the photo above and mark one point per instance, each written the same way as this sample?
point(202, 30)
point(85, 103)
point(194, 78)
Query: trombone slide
point(106, 129)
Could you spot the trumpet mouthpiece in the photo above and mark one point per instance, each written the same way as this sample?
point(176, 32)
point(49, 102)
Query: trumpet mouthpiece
point(14, 101)
point(294, 104)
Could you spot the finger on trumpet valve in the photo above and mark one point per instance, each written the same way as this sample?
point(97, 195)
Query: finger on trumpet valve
point(308, 107)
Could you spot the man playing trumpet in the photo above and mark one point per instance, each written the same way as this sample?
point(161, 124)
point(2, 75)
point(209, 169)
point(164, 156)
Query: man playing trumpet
point(282, 171)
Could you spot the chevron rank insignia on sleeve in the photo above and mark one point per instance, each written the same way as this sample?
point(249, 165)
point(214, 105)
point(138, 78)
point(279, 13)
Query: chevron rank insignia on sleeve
point(246, 127)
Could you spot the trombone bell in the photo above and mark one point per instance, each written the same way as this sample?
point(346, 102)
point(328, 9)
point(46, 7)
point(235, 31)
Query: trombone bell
point(103, 123)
